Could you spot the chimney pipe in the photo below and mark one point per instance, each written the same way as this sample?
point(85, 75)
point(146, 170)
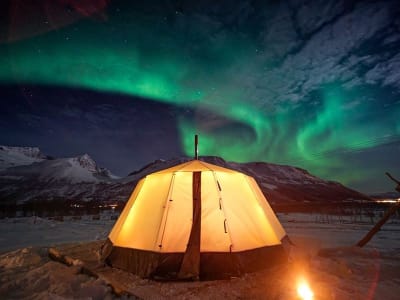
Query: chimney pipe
point(196, 150)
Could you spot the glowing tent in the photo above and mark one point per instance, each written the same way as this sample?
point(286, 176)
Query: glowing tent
point(195, 220)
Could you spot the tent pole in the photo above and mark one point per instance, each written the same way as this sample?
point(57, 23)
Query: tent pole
point(190, 266)
point(196, 150)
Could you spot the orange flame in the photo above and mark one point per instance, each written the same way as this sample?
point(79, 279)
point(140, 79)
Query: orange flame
point(304, 291)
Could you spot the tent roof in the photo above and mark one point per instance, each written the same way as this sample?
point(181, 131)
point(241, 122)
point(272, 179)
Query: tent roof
point(195, 166)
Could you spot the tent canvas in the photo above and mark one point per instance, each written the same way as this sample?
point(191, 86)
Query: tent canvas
point(195, 220)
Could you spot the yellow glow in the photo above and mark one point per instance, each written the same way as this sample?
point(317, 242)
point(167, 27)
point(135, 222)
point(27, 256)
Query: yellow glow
point(233, 212)
point(388, 201)
point(304, 291)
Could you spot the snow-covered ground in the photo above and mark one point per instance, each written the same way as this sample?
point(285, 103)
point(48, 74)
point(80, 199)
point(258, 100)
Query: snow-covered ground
point(324, 230)
point(328, 231)
point(34, 231)
point(372, 272)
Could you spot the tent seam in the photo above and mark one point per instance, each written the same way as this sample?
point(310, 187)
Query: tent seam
point(166, 211)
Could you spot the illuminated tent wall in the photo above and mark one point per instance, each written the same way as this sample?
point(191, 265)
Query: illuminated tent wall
point(195, 220)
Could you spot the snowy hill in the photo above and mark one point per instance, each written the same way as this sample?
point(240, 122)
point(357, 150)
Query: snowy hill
point(81, 179)
point(19, 156)
point(72, 170)
point(36, 178)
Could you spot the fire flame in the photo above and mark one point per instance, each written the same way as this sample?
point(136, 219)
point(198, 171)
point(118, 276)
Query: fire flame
point(304, 291)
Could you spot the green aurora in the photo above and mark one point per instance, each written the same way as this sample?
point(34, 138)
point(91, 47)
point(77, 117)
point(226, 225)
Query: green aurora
point(193, 72)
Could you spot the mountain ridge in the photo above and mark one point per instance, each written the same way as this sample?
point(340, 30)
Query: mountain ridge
point(12, 156)
point(81, 179)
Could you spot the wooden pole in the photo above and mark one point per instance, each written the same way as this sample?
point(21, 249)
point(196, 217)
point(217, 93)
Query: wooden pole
point(383, 220)
point(378, 225)
point(395, 180)
point(190, 267)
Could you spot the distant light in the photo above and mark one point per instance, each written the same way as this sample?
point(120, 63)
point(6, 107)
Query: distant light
point(304, 291)
point(388, 201)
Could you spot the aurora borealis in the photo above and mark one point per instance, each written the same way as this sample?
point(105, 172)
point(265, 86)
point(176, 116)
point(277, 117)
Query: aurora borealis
point(313, 84)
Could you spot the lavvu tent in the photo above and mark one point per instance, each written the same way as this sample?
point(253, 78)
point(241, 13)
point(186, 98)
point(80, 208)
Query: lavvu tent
point(195, 220)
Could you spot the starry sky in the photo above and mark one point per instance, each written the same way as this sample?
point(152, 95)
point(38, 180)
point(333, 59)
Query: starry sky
point(314, 84)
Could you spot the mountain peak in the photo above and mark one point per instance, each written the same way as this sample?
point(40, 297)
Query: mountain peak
point(86, 162)
point(33, 152)
point(11, 156)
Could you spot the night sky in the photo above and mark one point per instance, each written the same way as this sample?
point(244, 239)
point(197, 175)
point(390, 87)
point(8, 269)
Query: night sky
point(314, 84)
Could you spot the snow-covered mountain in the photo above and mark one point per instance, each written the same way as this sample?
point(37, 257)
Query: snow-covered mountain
point(27, 174)
point(19, 156)
point(282, 185)
point(70, 170)
point(81, 179)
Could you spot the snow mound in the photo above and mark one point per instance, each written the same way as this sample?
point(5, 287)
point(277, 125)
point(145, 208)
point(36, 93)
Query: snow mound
point(29, 274)
point(20, 258)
